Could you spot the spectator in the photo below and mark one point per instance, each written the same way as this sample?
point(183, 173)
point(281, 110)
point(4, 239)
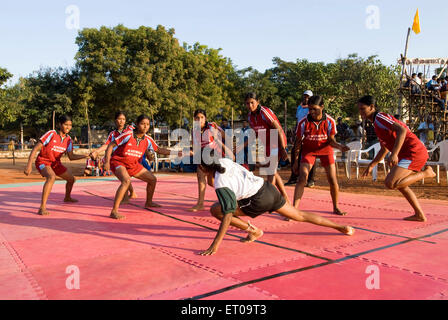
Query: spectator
point(359, 132)
point(11, 145)
point(92, 167)
point(371, 137)
point(415, 86)
point(302, 112)
point(32, 142)
point(432, 84)
point(225, 125)
point(419, 79)
point(424, 128)
point(343, 132)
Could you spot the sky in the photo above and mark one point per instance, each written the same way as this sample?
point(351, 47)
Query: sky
point(35, 34)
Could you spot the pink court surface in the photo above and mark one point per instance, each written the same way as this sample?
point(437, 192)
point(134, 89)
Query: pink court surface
point(154, 254)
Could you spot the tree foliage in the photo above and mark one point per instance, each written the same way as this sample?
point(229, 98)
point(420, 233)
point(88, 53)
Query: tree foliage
point(146, 70)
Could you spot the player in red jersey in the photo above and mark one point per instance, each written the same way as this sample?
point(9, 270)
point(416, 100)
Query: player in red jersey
point(120, 124)
point(51, 146)
point(408, 155)
point(315, 137)
point(211, 136)
point(125, 162)
point(262, 119)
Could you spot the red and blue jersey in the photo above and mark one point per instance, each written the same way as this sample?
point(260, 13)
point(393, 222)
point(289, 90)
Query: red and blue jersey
point(412, 147)
point(113, 135)
point(316, 135)
point(262, 120)
point(54, 146)
point(131, 149)
point(208, 135)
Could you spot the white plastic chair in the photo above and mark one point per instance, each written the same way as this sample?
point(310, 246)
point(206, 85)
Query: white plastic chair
point(443, 159)
point(355, 147)
point(356, 158)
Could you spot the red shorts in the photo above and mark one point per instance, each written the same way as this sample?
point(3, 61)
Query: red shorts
point(414, 164)
point(325, 159)
point(132, 169)
point(57, 167)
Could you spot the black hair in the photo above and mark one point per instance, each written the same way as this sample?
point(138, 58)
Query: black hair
point(251, 95)
point(214, 166)
point(141, 118)
point(419, 74)
point(368, 101)
point(198, 111)
point(119, 113)
point(64, 118)
point(316, 101)
point(414, 74)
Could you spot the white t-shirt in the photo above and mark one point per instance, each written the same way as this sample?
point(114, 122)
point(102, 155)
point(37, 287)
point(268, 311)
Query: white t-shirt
point(243, 183)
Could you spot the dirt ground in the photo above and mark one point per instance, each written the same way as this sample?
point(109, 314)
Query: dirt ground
point(10, 173)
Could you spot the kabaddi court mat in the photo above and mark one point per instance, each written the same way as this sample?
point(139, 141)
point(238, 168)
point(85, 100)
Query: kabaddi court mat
point(154, 254)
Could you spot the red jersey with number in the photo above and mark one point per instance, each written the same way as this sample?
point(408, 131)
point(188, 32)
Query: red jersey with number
point(316, 134)
point(54, 146)
point(261, 121)
point(130, 149)
point(412, 147)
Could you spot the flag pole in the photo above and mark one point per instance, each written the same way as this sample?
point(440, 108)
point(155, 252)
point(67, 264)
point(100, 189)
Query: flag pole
point(404, 58)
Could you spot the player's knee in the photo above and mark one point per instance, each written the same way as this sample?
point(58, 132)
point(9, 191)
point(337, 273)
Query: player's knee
point(216, 211)
point(390, 184)
point(126, 182)
point(51, 177)
point(152, 179)
point(71, 180)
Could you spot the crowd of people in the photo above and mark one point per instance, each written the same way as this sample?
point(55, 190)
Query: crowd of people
point(437, 86)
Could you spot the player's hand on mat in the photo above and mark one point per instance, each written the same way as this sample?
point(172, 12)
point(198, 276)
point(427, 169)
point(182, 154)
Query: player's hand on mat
point(393, 160)
point(27, 171)
point(209, 252)
point(107, 166)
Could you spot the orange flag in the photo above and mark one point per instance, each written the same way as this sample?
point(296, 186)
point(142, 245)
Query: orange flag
point(416, 25)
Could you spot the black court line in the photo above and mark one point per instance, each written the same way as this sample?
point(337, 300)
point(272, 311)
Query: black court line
point(394, 235)
point(359, 228)
point(281, 274)
point(212, 229)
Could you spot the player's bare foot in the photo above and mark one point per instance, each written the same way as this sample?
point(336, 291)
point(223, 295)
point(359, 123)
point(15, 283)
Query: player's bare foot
point(416, 217)
point(254, 234)
point(347, 230)
point(197, 208)
point(429, 173)
point(43, 212)
point(115, 215)
point(152, 205)
point(338, 212)
point(70, 200)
